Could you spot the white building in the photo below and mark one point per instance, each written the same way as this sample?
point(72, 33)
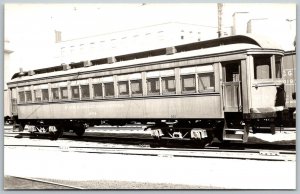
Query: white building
point(129, 41)
point(8, 50)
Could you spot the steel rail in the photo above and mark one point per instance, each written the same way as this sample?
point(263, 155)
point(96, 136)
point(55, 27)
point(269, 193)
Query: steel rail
point(48, 182)
point(251, 154)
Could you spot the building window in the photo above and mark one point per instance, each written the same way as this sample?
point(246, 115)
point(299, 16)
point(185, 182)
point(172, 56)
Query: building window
point(22, 97)
point(97, 90)
point(64, 92)
point(55, 94)
point(109, 89)
point(136, 87)
point(85, 91)
point(28, 96)
point(123, 88)
point(206, 82)
point(153, 86)
point(262, 67)
point(188, 83)
point(45, 94)
point(75, 92)
point(168, 85)
point(38, 95)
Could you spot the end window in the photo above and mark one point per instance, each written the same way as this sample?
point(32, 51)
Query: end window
point(278, 71)
point(262, 67)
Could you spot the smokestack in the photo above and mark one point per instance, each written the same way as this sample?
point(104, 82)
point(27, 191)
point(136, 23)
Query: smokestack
point(21, 71)
point(57, 36)
point(220, 14)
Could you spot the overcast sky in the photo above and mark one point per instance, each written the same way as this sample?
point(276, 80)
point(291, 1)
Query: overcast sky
point(30, 27)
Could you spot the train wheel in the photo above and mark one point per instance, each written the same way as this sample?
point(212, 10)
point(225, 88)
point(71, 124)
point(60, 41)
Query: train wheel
point(18, 127)
point(79, 130)
point(56, 132)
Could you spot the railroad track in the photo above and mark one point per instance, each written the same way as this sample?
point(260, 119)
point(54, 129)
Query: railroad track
point(35, 183)
point(210, 152)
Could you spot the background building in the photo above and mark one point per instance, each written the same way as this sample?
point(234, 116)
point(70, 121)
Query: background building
point(133, 40)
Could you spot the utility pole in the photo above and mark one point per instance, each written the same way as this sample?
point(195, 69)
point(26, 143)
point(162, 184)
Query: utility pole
point(220, 15)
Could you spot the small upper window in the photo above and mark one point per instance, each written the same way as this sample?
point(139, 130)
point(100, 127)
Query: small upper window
point(262, 67)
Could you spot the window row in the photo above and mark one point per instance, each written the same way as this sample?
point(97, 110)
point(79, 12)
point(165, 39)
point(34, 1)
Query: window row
point(153, 85)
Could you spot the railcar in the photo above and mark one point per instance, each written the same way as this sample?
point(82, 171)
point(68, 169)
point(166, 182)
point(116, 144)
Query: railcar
point(215, 88)
point(289, 79)
point(6, 103)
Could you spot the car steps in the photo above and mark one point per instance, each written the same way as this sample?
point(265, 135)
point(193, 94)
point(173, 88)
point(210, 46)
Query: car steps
point(239, 135)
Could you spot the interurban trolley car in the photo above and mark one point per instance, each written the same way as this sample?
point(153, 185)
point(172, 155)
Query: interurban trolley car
point(216, 88)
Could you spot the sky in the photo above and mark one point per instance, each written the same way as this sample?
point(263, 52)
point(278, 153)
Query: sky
point(30, 27)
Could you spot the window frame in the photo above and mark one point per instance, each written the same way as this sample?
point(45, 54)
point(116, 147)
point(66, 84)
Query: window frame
point(157, 92)
point(61, 93)
point(127, 88)
point(102, 93)
point(104, 89)
point(211, 81)
point(81, 92)
point(255, 71)
point(52, 94)
point(163, 83)
point(194, 75)
point(72, 93)
point(141, 87)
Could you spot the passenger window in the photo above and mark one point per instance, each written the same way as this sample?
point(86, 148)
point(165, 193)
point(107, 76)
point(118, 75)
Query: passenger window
point(262, 67)
point(97, 90)
point(206, 82)
point(28, 96)
point(38, 95)
point(136, 87)
point(75, 92)
point(188, 83)
point(109, 89)
point(64, 93)
point(153, 86)
point(85, 91)
point(278, 71)
point(45, 95)
point(123, 88)
point(168, 85)
point(22, 97)
point(55, 94)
